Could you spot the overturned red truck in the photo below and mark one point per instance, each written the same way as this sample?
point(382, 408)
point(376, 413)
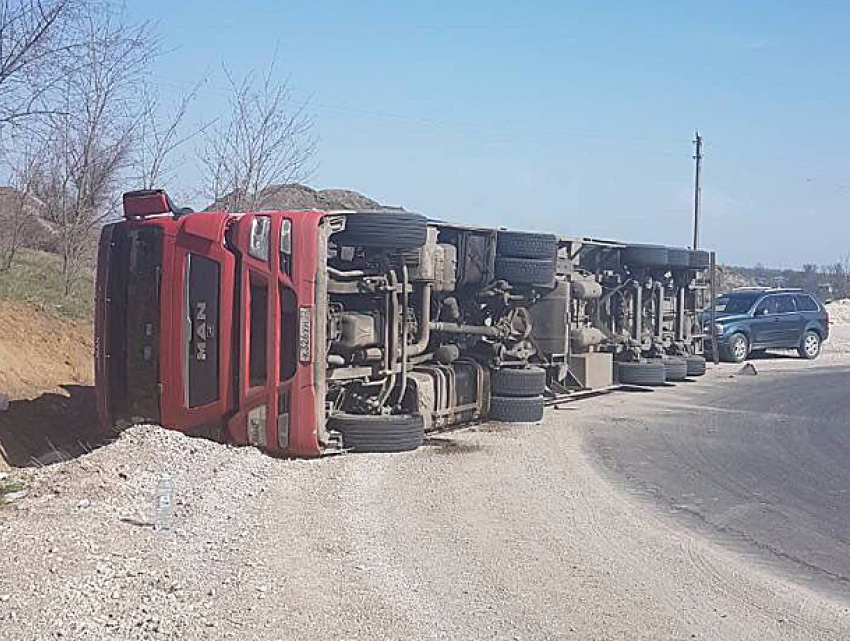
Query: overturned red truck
point(306, 332)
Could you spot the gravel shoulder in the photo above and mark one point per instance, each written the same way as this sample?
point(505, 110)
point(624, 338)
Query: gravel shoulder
point(485, 533)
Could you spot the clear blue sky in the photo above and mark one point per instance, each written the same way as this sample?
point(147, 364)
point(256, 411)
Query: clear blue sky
point(558, 116)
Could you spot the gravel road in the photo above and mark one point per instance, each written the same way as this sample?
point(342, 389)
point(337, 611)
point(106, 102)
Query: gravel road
point(486, 533)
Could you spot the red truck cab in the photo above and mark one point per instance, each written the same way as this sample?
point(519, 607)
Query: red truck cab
point(206, 323)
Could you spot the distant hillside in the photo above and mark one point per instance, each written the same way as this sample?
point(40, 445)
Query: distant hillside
point(297, 196)
point(811, 279)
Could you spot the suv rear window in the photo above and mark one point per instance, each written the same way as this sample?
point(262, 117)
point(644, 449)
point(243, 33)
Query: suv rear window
point(806, 303)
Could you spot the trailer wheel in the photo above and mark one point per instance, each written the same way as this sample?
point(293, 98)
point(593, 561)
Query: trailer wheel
point(525, 271)
point(514, 409)
point(696, 365)
point(645, 373)
point(645, 256)
point(675, 368)
point(393, 231)
point(524, 245)
point(510, 381)
point(379, 433)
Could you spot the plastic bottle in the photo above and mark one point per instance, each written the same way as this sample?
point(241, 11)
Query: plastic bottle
point(164, 502)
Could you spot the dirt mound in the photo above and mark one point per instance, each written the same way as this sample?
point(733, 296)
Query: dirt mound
point(47, 373)
point(839, 311)
point(297, 196)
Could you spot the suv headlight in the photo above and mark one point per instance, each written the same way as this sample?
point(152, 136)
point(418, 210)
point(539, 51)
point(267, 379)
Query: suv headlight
point(258, 243)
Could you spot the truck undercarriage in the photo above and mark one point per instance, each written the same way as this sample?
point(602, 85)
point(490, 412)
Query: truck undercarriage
point(366, 329)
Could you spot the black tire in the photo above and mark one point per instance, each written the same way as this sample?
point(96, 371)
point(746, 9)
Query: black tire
point(645, 373)
point(700, 259)
point(675, 368)
point(517, 244)
point(508, 381)
point(678, 258)
point(738, 349)
point(696, 365)
point(810, 345)
point(513, 409)
point(392, 230)
point(379, 433)
point(645, 256)
point(525, 271)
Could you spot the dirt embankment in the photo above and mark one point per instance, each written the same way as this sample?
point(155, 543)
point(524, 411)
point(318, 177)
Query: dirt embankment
point(46, 372)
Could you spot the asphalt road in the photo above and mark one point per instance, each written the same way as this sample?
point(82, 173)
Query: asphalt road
point(760, 463)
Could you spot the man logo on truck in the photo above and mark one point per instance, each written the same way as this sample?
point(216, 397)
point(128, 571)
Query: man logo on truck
point(203, 331)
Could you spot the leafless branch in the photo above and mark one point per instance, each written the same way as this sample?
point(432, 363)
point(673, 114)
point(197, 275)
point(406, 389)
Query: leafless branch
point(264, 141)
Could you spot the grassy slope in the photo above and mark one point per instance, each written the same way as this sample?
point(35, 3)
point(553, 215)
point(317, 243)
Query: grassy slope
point(35, 279)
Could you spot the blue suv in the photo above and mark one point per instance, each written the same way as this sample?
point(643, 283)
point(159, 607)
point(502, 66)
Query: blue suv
point(753, 320)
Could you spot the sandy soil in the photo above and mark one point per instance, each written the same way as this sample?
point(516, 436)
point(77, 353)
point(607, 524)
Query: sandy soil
point(46, 370)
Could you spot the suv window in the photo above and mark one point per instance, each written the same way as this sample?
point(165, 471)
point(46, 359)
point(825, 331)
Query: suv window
point(768, 305)
point(806, 303)
point(785, 304)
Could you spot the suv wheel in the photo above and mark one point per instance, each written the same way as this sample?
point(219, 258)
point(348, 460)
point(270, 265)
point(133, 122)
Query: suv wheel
point(810, 346)
point(739, 348)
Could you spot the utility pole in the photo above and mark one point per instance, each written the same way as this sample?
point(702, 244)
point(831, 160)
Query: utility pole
point(697, 193)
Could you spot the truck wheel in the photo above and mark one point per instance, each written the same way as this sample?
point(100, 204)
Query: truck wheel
point(393, 231)
point(738, 350)
point(675, 368)
point(513, 409)
point(645, 373)
point(809, 346)
point(509, 381)
point(696, 365)
point(645, 256)
point(677, 257)
point(379, 433)
point(525, 271)
point(523, 245)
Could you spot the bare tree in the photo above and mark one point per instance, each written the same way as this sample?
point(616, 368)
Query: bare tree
point(266, 139)
point(90, 145)
point(161, 133)
point(39, 42)
point(20, 222)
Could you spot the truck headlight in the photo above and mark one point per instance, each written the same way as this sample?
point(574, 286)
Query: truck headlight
point(718, 329)
point(286, 246)
point(258, 243)
point(257, 426)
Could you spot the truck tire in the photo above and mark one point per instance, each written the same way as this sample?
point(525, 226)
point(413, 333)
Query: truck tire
point(379, 433)
point(675, 368)
point(645, 373)
point(645, 256)
point(696, 365)
point(678, 257)
point(514, 409)
point(518, 382)
point(393, 231)
point(524, 245)
point(525, 271)
point(700, 259)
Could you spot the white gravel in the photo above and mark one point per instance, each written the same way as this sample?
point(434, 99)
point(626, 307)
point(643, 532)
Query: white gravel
point(488, 533)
